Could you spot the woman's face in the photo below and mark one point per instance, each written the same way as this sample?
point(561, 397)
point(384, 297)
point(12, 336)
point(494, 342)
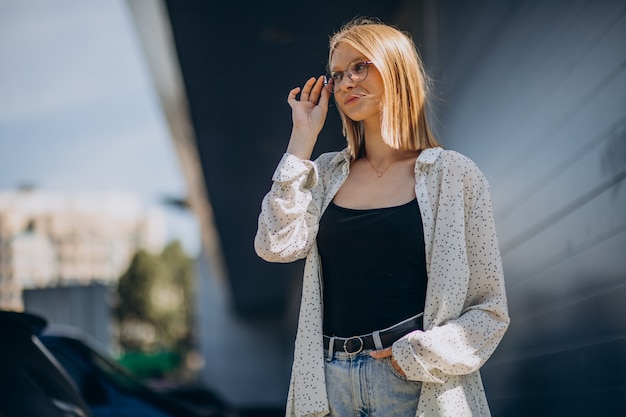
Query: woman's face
point(360, 101)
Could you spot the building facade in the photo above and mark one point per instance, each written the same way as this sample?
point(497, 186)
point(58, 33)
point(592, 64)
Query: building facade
point(57, 239)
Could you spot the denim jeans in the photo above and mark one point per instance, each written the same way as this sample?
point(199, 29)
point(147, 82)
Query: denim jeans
point(359, 385)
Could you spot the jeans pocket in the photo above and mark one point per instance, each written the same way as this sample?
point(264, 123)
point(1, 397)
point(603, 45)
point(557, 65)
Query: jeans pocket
point(393, 370)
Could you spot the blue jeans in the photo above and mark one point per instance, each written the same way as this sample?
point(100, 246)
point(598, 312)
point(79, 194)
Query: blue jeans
point(359, 385)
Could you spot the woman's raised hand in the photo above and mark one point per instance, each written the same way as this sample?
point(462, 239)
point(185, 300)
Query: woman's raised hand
point(308, 114)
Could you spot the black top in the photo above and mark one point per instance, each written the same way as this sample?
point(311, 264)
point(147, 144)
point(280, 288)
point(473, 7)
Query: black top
point(373, 267)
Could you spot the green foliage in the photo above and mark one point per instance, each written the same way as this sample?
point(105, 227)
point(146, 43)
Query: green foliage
point(154, 308)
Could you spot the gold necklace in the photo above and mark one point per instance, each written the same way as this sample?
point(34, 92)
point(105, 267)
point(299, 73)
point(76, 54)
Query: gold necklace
point(380, 173)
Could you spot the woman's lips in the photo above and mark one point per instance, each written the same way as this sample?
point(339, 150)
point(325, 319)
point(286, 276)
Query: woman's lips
point(352, 98)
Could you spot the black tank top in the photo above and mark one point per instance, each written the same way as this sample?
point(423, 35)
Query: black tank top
point(373, 267)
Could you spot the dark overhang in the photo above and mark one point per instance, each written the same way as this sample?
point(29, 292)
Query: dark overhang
point(238, 60)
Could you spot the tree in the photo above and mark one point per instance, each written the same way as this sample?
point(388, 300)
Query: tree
point(181, 272)
point(154, 308)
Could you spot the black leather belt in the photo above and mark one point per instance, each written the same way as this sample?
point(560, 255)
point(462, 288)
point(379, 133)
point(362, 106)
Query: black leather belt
point(355, 344)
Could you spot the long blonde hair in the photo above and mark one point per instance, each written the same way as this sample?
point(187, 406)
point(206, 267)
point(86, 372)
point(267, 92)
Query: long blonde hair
point(404, 123)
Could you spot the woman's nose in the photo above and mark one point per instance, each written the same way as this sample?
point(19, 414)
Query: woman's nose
point(345, 83)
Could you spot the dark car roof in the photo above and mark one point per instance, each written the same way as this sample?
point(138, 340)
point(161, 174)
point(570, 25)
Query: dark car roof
point(82, 350)
point(31, 381)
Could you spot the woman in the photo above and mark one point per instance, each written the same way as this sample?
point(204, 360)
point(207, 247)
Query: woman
point(394, 230)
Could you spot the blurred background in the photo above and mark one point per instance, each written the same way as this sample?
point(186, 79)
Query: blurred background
point(138, 137)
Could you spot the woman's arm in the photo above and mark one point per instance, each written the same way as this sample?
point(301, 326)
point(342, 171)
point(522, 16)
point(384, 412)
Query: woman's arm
point(289, 216)
point(462, 345)
point(288, 222)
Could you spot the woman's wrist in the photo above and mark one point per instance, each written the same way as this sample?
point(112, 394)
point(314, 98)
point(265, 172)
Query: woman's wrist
point(301, 144)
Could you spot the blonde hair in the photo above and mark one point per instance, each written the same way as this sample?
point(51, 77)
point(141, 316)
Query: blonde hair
point(404, 122)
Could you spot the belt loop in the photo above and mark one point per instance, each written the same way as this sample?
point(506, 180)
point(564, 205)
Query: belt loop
point(377, 342)
point(331, 347)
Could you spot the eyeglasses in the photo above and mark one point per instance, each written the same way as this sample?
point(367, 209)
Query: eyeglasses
point(356, 71)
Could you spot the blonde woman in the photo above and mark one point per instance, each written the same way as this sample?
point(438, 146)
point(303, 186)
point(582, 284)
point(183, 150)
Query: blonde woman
point(403, 295)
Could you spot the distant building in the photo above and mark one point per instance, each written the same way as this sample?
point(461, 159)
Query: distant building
point(56, 239)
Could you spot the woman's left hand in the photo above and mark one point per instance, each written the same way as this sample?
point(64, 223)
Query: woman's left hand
point(384, 353)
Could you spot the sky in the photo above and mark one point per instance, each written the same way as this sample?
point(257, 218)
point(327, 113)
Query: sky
point(78, 111)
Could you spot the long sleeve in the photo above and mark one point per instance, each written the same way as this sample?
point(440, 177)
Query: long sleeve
point(467, 316)
point(288, 222)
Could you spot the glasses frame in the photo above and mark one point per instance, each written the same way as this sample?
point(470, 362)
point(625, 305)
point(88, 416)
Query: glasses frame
point(329, 81)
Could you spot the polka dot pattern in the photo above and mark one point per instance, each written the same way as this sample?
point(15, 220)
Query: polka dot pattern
point(466, 311)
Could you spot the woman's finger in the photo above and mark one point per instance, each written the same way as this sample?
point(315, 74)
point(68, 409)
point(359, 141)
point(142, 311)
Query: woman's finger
point(316, 91)
point(379, 354)
point(387, 353)
point(306, 90)
point(397, 367)
point(324, 98)
point(291, 98)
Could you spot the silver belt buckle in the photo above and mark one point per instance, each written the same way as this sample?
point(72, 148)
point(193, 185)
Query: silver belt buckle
point(345, 345)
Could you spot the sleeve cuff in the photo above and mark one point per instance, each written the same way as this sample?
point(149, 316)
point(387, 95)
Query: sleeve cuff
point(413, 367)
point(291, 167)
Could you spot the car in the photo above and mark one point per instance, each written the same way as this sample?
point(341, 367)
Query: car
point(32, 382)
point(111, 391)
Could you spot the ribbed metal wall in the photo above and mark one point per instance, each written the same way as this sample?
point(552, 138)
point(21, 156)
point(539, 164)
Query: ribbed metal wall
point(535, 93)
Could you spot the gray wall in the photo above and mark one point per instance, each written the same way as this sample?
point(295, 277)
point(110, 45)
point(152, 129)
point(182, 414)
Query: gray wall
point(86, 308)
point(247, 361)
point(535, 93)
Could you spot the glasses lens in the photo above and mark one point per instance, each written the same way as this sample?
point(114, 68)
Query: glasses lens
point(357, 71)
point(329, 83)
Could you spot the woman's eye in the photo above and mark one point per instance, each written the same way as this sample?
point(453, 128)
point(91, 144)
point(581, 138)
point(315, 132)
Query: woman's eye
point(359, 67)
point(336, 76)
